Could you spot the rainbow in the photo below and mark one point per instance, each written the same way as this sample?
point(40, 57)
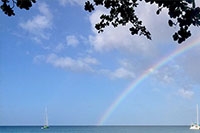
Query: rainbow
point(144, 76)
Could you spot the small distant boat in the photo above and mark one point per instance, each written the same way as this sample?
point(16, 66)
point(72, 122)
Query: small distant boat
point(196, 126)
point(46, 125)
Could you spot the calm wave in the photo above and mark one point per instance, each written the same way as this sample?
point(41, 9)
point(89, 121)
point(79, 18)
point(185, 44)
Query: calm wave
point(98, 129)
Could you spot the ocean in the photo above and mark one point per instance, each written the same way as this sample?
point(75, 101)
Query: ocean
point(98, 129)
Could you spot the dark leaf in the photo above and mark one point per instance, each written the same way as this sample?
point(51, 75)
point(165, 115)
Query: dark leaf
point(88, 6)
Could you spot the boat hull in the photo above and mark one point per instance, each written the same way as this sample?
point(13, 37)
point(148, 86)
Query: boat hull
point(195, 127)
point(44, 127)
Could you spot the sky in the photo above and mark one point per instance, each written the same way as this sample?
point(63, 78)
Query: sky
point(52, 56)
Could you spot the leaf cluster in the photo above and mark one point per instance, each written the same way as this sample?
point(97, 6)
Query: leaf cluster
point(183, 14)
point(122, 12)
point(7, 6)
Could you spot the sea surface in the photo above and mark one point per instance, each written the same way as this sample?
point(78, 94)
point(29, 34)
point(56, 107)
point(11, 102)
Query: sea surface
point(98, 129)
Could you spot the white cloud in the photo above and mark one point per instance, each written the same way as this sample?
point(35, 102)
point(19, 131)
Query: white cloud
point(126, 69)
point(90, 60)
point(147, 13)
point(186, 93)
point(119, 73)
point(112, 38)
point(59, 47)
point(168, 74)
point(121, 39)
point(168, 79)
point(81, 64)
point(65, 2)
point(72, 40)
point(43, 8)
point(39, 23)
point(122, 73)
point(128, 64)
point(84, 40)
point(38, 58)
point(85, 64)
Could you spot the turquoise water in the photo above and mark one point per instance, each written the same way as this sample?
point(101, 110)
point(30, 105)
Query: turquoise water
point(98, 129)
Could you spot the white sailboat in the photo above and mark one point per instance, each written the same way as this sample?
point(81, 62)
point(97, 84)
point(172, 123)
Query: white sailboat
point(46, 125)
point(196, 126)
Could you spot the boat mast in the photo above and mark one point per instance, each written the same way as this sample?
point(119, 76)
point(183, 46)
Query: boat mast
point(197, 115)
point(46, 117)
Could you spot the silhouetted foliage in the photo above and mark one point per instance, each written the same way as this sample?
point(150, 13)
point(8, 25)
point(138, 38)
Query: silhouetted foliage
point(8, 5)
point(183, 13)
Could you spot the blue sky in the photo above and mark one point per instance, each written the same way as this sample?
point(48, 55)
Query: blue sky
point(52, 56)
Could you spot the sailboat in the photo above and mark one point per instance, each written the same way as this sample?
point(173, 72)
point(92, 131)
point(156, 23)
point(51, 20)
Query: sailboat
point(196, 126)
point(46, 125)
